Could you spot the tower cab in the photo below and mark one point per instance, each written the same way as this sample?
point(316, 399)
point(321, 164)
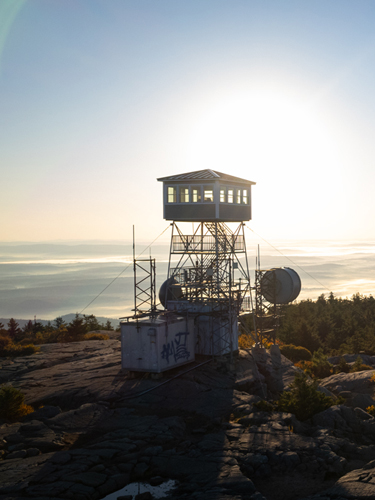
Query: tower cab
point(206, 195)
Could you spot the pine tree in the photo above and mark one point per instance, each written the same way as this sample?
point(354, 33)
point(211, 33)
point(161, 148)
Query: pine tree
point(13, 328)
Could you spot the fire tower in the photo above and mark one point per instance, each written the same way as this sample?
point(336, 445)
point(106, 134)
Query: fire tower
point(208, 280)
point(208, 274)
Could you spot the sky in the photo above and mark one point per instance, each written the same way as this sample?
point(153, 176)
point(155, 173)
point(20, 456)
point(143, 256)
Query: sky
point(99, 98)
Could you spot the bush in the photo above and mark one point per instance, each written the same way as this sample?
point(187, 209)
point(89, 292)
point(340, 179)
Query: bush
point(96, 336)
point(14, 350)
point(318, 367)
point(4, 342)
point(295, 353)
point(245, 341)
point(264, 405)
point(268, 343)
point(12, 405)
point(371, 410)
point(343, 366)
point(306, 366)
point(359, 366)
point(321, 367)
point(303, 399)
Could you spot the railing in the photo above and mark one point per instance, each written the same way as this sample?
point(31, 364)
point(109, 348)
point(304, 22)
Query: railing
point(247, 304)
point(207, 243)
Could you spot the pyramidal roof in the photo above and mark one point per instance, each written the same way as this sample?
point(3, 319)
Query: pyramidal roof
point(207, 174)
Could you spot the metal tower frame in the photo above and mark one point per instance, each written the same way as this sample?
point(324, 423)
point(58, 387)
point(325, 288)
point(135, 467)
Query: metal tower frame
point(144, 286)
point(205, 275)
point(267, 314)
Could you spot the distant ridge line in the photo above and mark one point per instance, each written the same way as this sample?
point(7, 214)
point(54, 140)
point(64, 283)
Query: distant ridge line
point(67, 318)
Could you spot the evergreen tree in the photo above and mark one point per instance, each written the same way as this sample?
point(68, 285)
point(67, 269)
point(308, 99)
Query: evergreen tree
point(13, 328)
point(76, 329)
point(91, 323)
point(108, 326)
point(335, 324)
point(303, 399)
point(58, 322)
point(38, 327)
point(28, 327)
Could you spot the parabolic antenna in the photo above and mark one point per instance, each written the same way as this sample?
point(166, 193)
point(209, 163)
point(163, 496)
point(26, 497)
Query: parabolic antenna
point(169, 290)
point(280, 285)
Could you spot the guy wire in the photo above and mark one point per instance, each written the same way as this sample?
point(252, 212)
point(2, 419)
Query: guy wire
point(268, 243)
point(122, 272)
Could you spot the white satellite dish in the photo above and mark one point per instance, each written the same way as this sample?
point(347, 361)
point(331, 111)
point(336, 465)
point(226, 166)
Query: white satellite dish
point(280, 285)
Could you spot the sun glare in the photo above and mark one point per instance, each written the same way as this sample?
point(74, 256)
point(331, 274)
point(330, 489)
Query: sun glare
point(261, 135)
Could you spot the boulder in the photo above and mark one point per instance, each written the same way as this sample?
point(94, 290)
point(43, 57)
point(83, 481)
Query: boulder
point(363, 415)
point(351, 358)
point(358, 484)
point(236, 482)
point(358, 382)
point(201, 428)
point(248, 378)
point(361, 401)
point(331, 418)
point(43, 413)
point(277, 370)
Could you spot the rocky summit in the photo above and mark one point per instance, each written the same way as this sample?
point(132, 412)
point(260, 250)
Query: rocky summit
point(97, 428)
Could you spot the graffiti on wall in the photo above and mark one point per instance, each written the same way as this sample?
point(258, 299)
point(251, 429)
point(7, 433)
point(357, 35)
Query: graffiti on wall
point(177, 348)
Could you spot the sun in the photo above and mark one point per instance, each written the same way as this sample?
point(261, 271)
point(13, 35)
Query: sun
point(265, 130)
point(281, 141)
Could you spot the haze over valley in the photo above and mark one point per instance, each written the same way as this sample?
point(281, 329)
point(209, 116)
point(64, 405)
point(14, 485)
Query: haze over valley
point(54, 279)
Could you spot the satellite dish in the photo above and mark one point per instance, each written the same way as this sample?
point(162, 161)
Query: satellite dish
point(280, 285)
point(169, 290)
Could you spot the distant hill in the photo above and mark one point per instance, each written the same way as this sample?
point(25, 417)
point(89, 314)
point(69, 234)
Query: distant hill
point(66, 317)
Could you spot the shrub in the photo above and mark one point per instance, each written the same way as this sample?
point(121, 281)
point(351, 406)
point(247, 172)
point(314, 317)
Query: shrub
point(245, 341)
point(14, 350)
point(24, 410)
point(306, 366)
point(371, 410)
point(359, 366)
point(318, 367)
point(372, 379)
point(321, 367)
point(12, 405)
point(343, 366)
point(304, 399)
point(4, 342)
point(96, 336)
point(268, 343)
point(295, 353)
point(264, 405)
